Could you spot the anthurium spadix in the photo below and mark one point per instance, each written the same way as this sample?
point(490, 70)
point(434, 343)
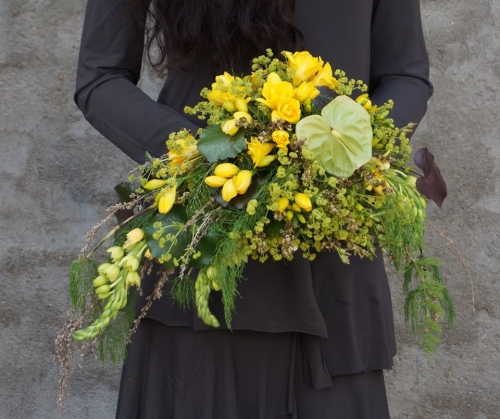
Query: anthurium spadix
point(340, 138)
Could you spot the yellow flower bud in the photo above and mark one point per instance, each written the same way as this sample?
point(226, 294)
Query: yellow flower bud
point(100, 280)
point(215, 181)
point(103, 267)
point(242, 181)
point(412, 180)
point(229, 127)
point(281, 138)
point(155, 184)
point(266, 161)
point(303, 201)
point(229, 106)
point(117, 253)
point(296, 208)
point(229, 191)
point(167, 200)
point(301, 218)
point(282, 204)
point(133, 236)
point(112, 272)
point(133, 278)
point(227, 170)
point(364, 101)
point(102, 289)
point(289, 215)
point(244, 115)
point(131, 262)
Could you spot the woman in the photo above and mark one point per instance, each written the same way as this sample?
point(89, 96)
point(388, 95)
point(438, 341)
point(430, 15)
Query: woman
point(309, 340)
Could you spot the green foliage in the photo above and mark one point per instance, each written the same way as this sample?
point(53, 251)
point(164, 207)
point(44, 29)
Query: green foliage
point(427, 301)
point(215, 145)
point(82, 273)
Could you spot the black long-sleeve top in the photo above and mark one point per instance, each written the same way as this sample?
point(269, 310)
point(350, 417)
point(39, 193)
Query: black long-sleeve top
point(343, 310)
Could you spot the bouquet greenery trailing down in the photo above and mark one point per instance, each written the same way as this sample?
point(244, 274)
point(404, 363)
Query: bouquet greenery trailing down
point(271, 174)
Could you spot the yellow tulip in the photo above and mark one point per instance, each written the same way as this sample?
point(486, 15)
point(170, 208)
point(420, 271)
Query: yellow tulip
point(258, 150)
point(304, 64)
point(117, 253)
point(287, 110)
point(281, 138)
point(167, 200)
point(242, 181)
point(133, 236)
point(229, 127)
point(306, 92)
point(226, 170)
point(229, 191)
point(215, 181)
point(244, 115)
point(325, 77)
point(275, 90)
point(282, 204)
point(155, 184)
point(303, 201)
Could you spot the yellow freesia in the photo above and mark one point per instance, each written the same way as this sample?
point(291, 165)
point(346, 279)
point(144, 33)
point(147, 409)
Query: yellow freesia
point(229, 127)
point(281, 138)
point(287, 110)
point(215, 181)
point(229, 190)
point(306, 92)
point(266, 161)
point(242, 104)
point(303, 201)
point(226, 170)
point(167, 200)
point(155, 184)
point(242, 181)
point(258, 150)
point(304, 64)
point(179, 157)
point(219, 97)
point(275, 90)
point(325, 77)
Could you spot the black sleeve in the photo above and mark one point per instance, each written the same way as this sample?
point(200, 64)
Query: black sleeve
point(109, 67)
point(399, 66)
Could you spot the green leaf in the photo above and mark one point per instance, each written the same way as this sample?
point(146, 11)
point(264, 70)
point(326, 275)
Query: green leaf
point(171, 223)
point(215, 145)
point(341, 138)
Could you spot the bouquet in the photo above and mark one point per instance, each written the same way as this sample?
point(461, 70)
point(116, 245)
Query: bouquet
point(281, 167)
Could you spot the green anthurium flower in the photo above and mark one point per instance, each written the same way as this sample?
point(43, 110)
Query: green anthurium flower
point(340, 138)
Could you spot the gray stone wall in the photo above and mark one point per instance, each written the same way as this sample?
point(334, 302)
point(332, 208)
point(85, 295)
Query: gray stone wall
point(57, 176)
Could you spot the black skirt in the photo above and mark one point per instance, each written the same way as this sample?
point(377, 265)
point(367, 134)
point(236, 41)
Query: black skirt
point(174, 372)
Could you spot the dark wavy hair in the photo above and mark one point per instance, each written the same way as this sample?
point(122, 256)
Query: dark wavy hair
point(228, 33)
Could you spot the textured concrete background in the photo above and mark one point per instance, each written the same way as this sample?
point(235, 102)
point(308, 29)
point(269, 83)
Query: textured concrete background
point(57, 175)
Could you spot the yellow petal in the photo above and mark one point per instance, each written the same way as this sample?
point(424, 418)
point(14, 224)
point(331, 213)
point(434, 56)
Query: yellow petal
point(229, 127)
point(229, 191)
point(226, 170)
point(242, 181)
point(266, 161)
point(282, 204)
point(215, 181)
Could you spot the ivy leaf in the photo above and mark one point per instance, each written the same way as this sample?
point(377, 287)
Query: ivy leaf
point(206, 247)
point(215, 145)
point(431, 184)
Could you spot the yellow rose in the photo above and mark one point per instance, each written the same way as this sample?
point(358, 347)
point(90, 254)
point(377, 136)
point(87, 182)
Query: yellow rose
point(306, 92)
point(304, 64)
point(258, 150)
point(275, 90)
point(242, 181)
point(325, 77)
point(229, 127)
point(281, 138)
point(287, 110)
